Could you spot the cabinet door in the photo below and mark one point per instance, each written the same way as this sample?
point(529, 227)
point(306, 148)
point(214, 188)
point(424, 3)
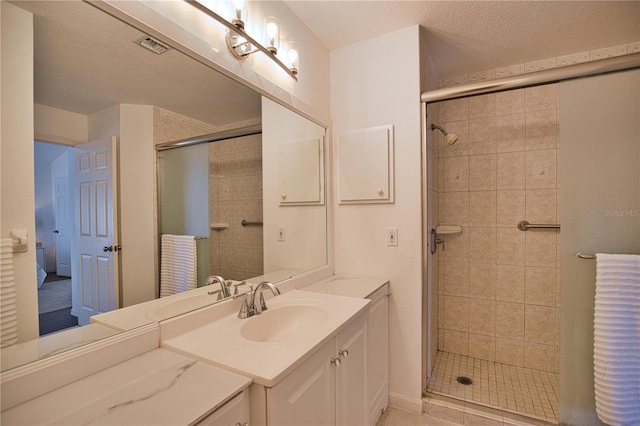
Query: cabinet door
point(306, 396)
point(378, 351)
point(235, 412)
point(351, 374)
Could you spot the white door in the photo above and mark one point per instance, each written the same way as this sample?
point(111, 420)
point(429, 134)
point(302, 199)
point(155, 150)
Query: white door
point(97, 228)
point(63, 231)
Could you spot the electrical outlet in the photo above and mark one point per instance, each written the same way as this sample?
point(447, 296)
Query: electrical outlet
point(392, 237)
point(282, 235)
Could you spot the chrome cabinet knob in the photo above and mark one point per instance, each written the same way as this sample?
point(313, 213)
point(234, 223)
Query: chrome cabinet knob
point(343, 353)
point(336, 362)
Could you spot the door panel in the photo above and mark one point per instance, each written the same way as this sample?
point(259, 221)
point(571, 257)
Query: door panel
point(306, 396)
point(351, 375)
point(97, 228)
point(63, 227)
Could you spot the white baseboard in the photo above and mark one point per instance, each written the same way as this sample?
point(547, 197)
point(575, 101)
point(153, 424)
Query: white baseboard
point(404, 403)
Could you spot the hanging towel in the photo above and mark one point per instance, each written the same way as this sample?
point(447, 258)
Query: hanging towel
point(616, 350)
point(8, 310)
point(178, 264)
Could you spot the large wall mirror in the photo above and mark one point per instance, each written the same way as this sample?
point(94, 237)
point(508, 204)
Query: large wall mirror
point(97, 77)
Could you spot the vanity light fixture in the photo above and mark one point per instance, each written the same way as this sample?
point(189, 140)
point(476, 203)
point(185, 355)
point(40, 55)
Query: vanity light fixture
point(241, 44)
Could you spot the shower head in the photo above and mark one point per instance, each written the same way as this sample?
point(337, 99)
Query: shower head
point(451, 137)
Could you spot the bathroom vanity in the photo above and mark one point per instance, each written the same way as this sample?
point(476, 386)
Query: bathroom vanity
point(318, 354)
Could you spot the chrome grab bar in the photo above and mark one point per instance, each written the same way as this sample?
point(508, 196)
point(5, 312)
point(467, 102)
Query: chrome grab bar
point(523, 225)
point(247, 223)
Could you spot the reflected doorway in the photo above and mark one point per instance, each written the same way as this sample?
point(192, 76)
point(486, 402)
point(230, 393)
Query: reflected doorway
point(54, 233)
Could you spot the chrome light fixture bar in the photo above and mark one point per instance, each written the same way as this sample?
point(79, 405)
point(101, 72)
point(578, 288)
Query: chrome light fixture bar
point(240, 43)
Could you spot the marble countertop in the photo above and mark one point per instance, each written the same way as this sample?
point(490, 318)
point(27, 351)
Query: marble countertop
point(52, 344)
point(158, 387)
point(347, 285)
point(222, 343)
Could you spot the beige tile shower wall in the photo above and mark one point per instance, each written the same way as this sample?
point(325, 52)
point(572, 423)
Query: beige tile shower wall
point(498, 285)
point(236, 194)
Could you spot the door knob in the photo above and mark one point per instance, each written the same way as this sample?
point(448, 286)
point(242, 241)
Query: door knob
point(111, 248)
point(56, 232)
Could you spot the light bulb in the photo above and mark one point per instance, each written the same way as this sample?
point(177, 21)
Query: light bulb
point(272, 34)
point(292, 56)
point(239, 13)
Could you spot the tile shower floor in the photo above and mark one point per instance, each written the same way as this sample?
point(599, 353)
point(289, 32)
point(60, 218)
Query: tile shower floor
point(518, 390)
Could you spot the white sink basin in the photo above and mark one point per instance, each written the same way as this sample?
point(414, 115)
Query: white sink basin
point(284, 323)
point(264, 347)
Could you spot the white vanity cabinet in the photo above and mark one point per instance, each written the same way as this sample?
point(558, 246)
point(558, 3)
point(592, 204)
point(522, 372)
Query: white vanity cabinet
point(330, 388)
point(375, 289)
point(378, 354)
point(233, 413)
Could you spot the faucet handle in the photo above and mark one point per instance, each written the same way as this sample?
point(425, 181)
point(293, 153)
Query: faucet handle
point(235, 287)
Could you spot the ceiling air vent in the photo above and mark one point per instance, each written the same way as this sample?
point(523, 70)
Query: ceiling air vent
point(152, 44)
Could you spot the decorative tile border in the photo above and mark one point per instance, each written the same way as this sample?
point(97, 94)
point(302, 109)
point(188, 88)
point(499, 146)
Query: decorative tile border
point(543, 64)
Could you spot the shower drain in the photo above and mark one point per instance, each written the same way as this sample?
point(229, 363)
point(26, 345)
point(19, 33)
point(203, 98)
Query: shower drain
point(464, 380)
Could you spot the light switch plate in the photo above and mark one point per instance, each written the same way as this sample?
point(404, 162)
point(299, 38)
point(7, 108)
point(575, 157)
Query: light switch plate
point(392, 237)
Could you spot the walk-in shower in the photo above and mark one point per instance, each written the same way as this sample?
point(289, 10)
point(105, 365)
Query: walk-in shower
point(492, 298)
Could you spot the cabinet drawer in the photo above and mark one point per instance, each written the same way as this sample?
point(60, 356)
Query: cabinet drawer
point(233, 413)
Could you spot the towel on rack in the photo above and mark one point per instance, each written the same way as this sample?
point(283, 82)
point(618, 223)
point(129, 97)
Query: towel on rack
point(178, 264)
point(8, 309)
point(616, 350)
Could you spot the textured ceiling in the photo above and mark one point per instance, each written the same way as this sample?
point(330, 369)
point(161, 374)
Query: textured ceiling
point(472, 36)
point(86, 61)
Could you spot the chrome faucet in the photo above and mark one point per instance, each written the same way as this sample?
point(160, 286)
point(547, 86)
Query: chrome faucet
point(224, 285)
point(249, 308)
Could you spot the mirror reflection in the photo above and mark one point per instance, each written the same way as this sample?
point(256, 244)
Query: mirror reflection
point(96, 77)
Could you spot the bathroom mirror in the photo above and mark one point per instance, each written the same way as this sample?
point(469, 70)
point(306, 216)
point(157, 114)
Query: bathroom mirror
point(87, 61)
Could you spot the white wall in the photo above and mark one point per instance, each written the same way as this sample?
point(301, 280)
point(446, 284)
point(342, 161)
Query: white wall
point(374, 83)
point(17, 210)
point(137, 204)
point(305, 226)
point(60, 126)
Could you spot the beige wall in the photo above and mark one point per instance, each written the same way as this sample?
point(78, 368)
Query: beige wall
point(367, 90)
point(498, 285)
point(17, 209)
point(600, 165)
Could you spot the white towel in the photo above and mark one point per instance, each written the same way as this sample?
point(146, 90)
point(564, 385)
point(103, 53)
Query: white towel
point(8, 310)
point(178, 264)
point(616, 360)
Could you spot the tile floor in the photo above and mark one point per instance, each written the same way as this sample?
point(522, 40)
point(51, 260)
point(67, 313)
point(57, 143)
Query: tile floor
point(397, 417)
point(512, 389)
point(440, 411)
